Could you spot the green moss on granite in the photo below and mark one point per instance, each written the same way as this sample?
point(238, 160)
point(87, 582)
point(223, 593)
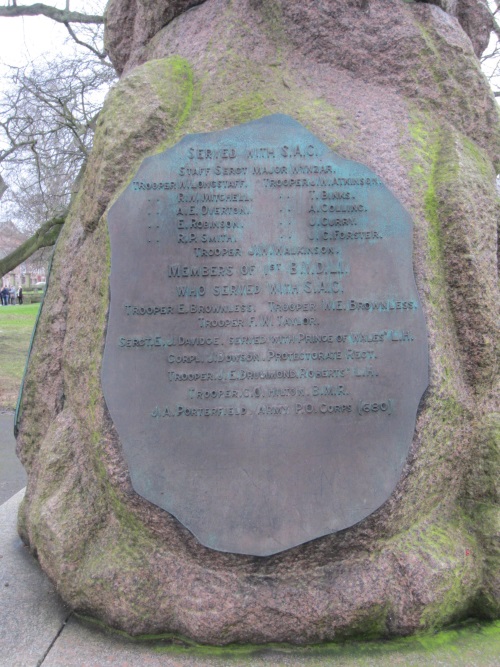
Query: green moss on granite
point(434, 535)
point(143, 113)
point(432, 168)
point(482, 502)
point(451, 645)
point(272, 13)
point(451, 168)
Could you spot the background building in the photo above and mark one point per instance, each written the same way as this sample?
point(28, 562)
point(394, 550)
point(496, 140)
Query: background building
point(28, 273)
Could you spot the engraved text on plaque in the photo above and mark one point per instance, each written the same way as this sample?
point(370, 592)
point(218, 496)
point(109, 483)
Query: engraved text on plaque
point(266, 349)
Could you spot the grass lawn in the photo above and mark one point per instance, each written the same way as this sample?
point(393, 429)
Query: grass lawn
point(16, 325)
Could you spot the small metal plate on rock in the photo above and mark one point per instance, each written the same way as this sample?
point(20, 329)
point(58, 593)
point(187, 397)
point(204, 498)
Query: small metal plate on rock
point(266, 349)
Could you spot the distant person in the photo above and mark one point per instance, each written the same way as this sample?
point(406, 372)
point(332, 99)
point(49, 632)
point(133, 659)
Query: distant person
point(20, 296)
point(12, 296)
point(5, 296)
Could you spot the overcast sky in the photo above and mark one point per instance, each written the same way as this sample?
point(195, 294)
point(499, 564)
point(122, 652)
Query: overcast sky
point(23, 39)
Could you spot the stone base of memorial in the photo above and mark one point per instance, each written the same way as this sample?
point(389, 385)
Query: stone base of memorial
point(262, 400)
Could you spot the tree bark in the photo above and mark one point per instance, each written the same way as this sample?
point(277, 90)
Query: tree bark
point(42, 238)
point(59, 15)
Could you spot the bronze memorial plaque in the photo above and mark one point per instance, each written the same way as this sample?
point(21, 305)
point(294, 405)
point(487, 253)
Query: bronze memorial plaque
point(266, 349)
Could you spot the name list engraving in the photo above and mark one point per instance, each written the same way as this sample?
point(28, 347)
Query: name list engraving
point(266, 348)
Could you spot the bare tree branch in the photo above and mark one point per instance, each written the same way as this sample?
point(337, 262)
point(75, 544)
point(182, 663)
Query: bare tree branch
point(58, 15)
point(48, 113)
point(45, 236)
point(47, 122)
point(14, 146)
point(100, 54)
point(490, 59)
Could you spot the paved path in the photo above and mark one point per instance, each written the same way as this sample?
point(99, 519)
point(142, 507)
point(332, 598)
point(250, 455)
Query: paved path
point(12, 475)
point(38, 630)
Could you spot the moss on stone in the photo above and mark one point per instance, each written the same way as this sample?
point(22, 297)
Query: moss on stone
point(480, 638)
point(245, 108)
point(173, 81)
point(272, 13)
point(481, 161)
point(482, 503)
point(464, 177)
point(150, 110)
point(427, 171)
point(146, 110)
point(454, 71)
point(454, 174)
point(448, 165)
